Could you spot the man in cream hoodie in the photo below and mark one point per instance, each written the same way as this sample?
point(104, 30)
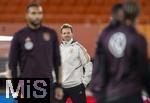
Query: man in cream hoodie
point(76, 67)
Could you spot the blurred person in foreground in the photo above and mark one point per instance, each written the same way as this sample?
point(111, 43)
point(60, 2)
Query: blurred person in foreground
point(115, 21)
point(121, 63)
point(35, 50)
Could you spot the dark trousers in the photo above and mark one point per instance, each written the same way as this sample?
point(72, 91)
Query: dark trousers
point(135, 98)
point(77, 94)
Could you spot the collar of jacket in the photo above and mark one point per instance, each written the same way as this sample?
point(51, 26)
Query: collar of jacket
point(69, 42)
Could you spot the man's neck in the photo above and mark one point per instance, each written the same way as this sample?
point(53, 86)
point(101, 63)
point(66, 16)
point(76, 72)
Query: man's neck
point(68, 42)
point(33, 26)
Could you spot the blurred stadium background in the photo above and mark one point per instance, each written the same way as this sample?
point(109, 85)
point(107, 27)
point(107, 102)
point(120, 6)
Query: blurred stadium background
point(88, 18)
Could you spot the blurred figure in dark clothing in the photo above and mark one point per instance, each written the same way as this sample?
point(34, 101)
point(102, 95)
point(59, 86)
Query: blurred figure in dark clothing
point(35, 49)
point(117, 12)
point(121, 62)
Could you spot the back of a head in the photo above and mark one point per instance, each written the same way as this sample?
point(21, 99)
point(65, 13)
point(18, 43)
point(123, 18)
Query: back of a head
point(116, 8)
point(117, 15)
point(131, 10)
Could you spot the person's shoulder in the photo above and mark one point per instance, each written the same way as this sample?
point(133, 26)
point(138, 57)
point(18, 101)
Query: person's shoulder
point(80, 46)
point(112, 26)
point(18, 35)
point(139, 39)
point(106, 30)
point(109, 29)
point(19, 32)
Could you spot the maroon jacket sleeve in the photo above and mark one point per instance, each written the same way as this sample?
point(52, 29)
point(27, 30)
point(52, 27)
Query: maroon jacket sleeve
point(99, 76)
point(56, 55)
point(14, 56)
point(143, 64)
point(100, 64)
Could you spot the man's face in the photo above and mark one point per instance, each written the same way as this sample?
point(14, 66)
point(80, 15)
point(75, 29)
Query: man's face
point(35, 15)
point(67, 34)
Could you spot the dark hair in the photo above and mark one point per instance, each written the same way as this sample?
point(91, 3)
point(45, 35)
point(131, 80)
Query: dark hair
point(32, 5)
point(131, 11)
point(66, 26)
point(116, 8)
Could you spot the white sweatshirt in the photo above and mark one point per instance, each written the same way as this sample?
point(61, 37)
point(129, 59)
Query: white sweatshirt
point(74, 58)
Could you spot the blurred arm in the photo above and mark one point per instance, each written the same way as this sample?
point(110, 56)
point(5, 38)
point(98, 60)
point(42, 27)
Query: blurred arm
point(57, 59)
point(13, 56)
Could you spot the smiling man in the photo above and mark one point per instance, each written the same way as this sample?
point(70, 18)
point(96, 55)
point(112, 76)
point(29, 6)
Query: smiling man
point(76, 66)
